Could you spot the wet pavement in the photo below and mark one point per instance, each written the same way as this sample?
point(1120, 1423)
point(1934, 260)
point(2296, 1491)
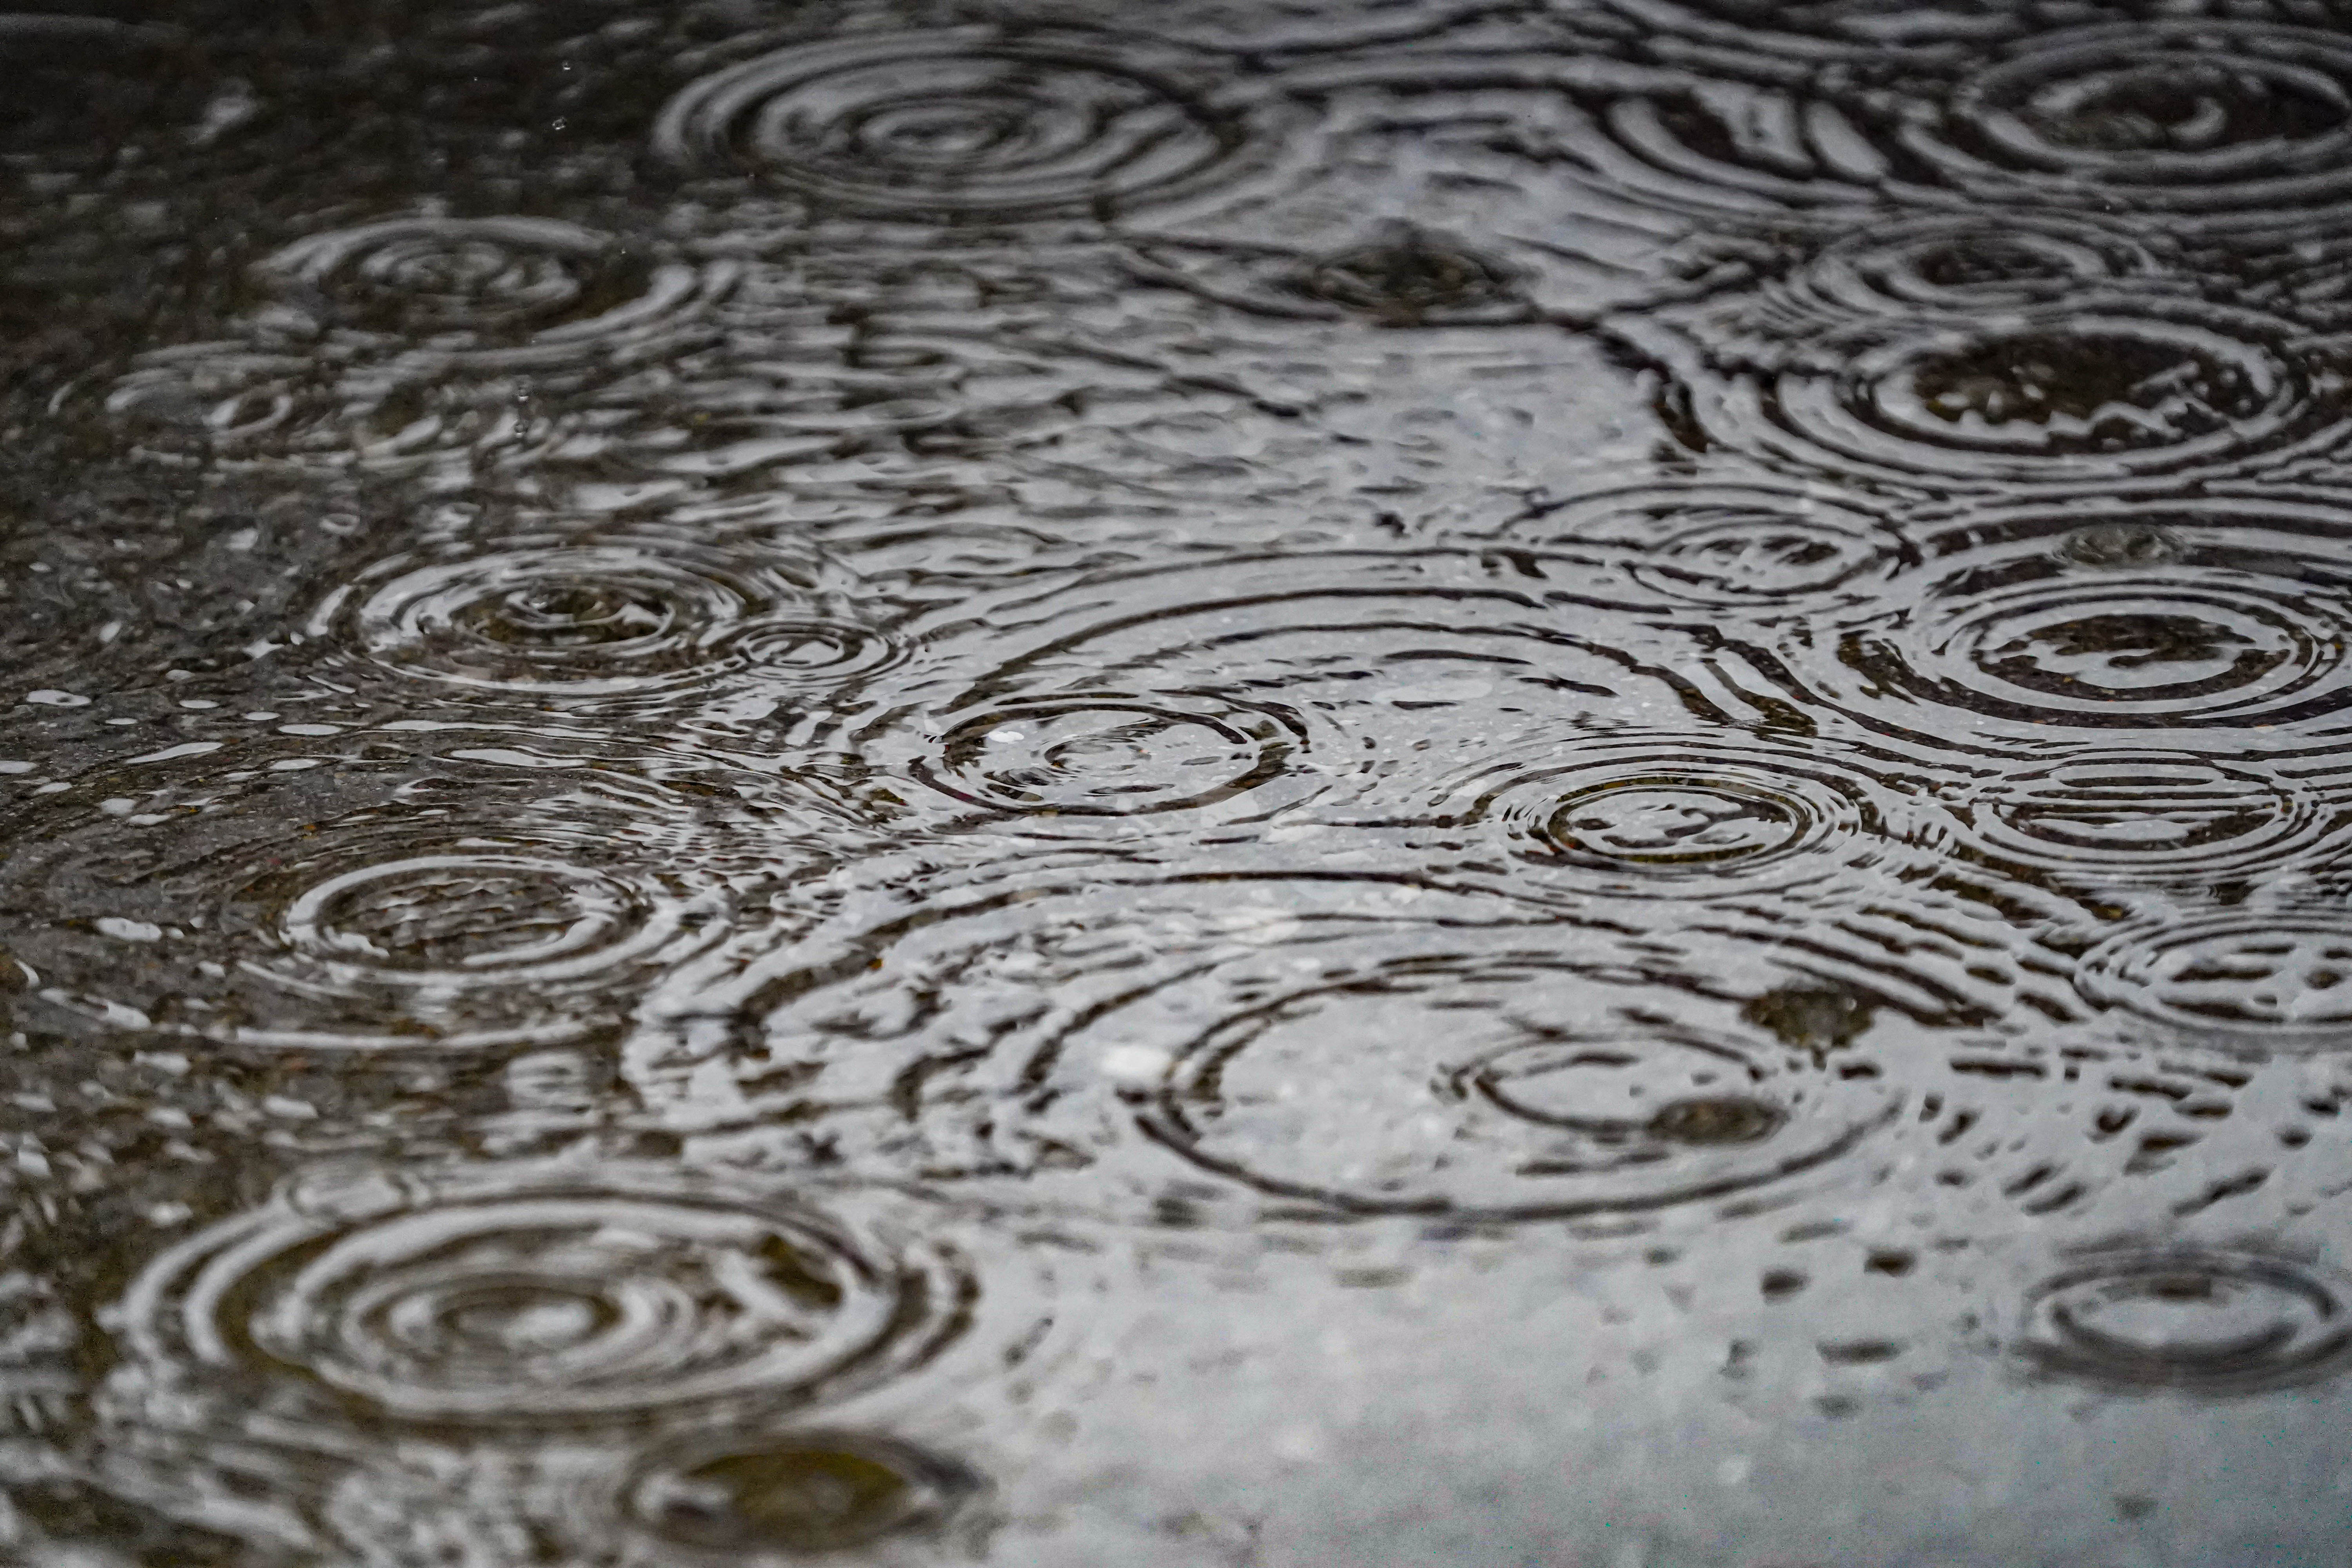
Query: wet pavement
point(1196, 787)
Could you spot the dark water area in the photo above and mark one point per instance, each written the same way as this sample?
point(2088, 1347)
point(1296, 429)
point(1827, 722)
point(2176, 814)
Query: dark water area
point(1203, 786)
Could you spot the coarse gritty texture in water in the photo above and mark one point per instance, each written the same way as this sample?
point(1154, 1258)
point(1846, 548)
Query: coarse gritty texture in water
point(1203, 786)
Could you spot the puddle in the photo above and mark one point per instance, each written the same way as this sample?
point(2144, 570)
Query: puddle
point(1388, 782)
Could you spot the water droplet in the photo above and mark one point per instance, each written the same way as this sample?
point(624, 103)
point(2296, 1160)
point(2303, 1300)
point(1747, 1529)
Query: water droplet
point(1809, 1019)
point(2126, 544)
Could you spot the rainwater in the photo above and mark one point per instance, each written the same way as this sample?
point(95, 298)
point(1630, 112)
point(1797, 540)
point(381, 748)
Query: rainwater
point(1551, 783)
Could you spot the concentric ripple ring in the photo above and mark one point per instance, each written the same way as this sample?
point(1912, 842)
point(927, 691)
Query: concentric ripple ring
point(496, 1297)
point(404, 919)
point(2200, 614)
point(957, 124)
point(1752, 547)
point(2235, 122)
point(1502, 1090)
point(2258, 976)
point(1111, 756)
point(2053, 397)
point(612, 617)
point(425, 276)
point(1908, 274)
point(1955, 264)
point(2126, 817)
point(1682, 815)
point(2201, 1322)
point(1303, 660)
point(460, 896)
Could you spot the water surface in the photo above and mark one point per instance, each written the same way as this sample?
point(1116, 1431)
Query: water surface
point(1197, 786)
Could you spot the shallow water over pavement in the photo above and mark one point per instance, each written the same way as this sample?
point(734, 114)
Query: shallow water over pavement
point(1551, 782)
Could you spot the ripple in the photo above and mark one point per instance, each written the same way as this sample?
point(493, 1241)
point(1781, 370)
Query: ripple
point(617, 616)
point(860, 376)
point(760, 1495)
point(1111, 756)
point(756, 1496)
point(2107, 388)
point(796, 1494)
point(1408, 278)
point(498, 277)
point(2110, 817)
point(960, 124)
point(1908, 273)
point(2206, 121)
point(414, 346)
point(2200, 615)
point(2212, 1324)
point(2130, 653)
point(1507, 1088)
point(2272, 977)
point(430, 897)
point(542, 1297)
point(813, 653)
point(1684, 814)
point(2198, 126)
point(1286, 676)
point(1969, 265)
point(207, 399)
point(1359, 1040)
point(228, 408)
point(591, 618)
point(1757, 548)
